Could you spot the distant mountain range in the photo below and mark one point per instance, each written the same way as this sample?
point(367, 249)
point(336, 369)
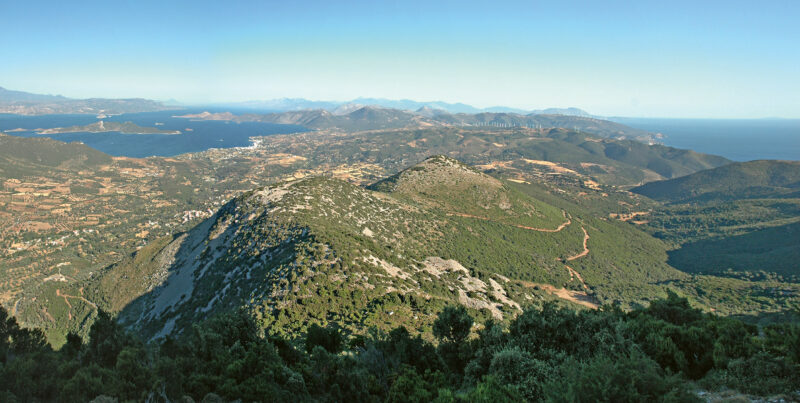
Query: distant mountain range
point(294, 104)
point(24, 103)
point(352, 117)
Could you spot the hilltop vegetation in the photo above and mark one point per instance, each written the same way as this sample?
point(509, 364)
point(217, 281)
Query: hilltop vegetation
point(666, 352)
point(455, 188)
point(21, 156)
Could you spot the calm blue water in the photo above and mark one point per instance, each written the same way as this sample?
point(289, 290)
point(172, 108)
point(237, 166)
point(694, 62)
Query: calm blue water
point(736, 139)
point(203, 135)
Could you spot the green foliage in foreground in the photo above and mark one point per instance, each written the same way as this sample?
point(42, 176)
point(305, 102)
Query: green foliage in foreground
point(661, 353)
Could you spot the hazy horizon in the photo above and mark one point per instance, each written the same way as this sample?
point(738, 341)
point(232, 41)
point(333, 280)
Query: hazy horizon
point(676, 60)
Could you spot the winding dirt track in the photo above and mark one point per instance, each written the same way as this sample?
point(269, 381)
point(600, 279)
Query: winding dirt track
point(574, 296)
point(578, 297)
point(572, 272)
point(585, 247)
point(16, 304)
point(69, 311)
point(65, 296)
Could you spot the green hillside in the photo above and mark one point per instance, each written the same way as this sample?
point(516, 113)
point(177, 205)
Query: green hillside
point(320, 250)
point(608, 161)
point(736, 181)
point(737, 220)
point(455, 188)
point(769, 250)
point(29, 156)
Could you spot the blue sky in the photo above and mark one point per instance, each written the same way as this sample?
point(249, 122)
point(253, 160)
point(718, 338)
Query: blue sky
point(624, 58)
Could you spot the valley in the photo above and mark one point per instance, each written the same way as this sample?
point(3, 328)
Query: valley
point(80, 218)
point(372, 223)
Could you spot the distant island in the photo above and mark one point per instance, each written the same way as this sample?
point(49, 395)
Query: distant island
point(103, 126)
point(208, 116)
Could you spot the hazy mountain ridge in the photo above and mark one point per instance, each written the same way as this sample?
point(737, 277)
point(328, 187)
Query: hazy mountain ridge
point(356, 117)
point(290, 104)
point(24, 103)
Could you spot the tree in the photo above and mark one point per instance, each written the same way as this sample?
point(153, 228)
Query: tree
point(452, 325)
point(493, 391)
point(106, 340)
point(328, 338)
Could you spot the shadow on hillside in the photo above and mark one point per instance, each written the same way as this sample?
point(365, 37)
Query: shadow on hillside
point(772, 250)
point(768, 318)
point(178, 263)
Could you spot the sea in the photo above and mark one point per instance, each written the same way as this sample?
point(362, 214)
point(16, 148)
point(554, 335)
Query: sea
point(735, 139)
point(196, 135)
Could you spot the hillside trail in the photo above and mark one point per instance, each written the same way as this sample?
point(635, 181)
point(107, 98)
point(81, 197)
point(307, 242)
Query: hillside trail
point(69, 311)
point(577, 297)
point(81, 297)
point(557, 229)
point(585, 247)
point(16, 305)
point(572, 272)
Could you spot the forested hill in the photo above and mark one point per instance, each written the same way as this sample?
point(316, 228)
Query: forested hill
point(438, 233)
point(31, 156)
point(739, 220)
point(740, 180)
